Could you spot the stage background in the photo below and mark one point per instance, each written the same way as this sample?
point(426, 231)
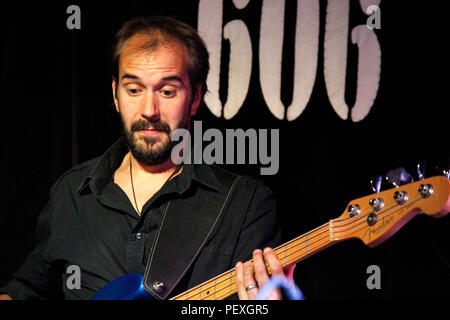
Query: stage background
point(58, 111)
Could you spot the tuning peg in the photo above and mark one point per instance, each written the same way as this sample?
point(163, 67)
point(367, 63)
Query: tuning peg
point(443, 166)
point(422, 170)
point(375, 183)
point(398, 176)
point(445, 170)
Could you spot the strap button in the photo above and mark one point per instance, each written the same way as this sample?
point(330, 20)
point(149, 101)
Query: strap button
point(158, 286)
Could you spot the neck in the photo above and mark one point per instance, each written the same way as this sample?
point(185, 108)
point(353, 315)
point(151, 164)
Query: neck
point(167, 167)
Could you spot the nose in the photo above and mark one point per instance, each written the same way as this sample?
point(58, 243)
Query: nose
point(150, 108)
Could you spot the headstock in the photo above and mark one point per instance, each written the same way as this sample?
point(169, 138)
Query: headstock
point(376, 217)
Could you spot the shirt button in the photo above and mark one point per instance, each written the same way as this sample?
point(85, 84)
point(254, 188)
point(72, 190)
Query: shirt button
point(138, 236)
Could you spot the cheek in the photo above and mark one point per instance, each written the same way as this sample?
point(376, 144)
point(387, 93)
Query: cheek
point(126, 115)
point(175, 116)
point(127, 109)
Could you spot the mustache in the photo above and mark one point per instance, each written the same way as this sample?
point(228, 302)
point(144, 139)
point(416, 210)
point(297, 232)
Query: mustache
point(145, 124)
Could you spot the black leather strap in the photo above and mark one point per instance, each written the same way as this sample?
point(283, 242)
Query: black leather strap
point(185, 227)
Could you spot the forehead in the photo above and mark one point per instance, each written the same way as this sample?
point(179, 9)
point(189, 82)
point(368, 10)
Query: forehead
point(143, 51)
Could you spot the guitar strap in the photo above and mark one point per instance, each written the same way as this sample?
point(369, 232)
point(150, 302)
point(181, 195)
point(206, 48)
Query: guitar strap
point(187, 223)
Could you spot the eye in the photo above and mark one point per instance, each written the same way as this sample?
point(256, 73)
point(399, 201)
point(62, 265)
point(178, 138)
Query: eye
point(133, 91)
point(167, 93)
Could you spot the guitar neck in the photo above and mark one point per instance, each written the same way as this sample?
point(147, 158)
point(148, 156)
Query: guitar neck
point(372, 219)
point(224, 285)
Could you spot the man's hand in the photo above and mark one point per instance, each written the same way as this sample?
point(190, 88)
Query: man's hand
point(252, 275)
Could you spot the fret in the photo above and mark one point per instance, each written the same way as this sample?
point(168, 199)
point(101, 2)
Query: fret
point(307, 244)
point(285, 255)
point(330, 229)
point(194, 294)
point(299, 248)
point(215, 289)
point(231, 282)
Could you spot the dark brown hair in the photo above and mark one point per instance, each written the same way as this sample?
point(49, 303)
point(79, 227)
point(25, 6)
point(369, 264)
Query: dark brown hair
point(167, 29)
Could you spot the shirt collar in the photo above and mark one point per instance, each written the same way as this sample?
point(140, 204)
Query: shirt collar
point(103, 171)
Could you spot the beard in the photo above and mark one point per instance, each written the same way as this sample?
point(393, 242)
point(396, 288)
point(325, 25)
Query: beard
point(151, 150)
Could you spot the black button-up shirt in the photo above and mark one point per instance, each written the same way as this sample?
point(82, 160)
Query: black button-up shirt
point(89, 224)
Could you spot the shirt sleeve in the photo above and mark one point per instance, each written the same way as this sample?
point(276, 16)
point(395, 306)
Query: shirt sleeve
point(261, 227)
point(36, 278)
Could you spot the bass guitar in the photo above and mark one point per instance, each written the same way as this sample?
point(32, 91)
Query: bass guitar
point(372, 219)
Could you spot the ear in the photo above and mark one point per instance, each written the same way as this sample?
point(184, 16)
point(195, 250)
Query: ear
point(197, 100)
point(114, 90)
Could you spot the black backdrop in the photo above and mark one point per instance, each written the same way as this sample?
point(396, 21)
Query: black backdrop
point(57, 112)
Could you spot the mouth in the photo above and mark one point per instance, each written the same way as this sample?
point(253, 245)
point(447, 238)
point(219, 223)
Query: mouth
point(151, 131)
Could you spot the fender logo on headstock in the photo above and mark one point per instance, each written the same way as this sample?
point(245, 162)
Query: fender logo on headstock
point(379, 227)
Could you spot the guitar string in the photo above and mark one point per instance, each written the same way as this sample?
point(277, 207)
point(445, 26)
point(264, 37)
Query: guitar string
point(287, 244)
point(361, 219)
point(359, 227)
point(277, 248)
point(342, 221)
point(345, 219)
point(227, 287)
point(227, 278)
point(279, 255)
point(233, 285)
point(295, 258)
point(231, 274)
point(390, 212)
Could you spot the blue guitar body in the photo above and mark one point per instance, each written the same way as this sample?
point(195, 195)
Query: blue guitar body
point(127, 287)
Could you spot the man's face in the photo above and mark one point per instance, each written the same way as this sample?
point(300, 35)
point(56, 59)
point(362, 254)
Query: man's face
point(153, 97)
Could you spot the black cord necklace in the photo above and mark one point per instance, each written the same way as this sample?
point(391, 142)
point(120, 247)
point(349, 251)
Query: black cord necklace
point(132, 184)
point(132, 188)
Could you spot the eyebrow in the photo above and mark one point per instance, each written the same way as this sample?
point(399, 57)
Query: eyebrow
point(130, 76)
point(165, 79)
